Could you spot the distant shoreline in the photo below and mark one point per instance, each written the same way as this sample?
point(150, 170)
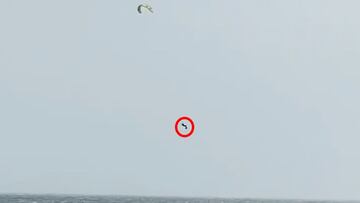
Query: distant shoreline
point(154, 197)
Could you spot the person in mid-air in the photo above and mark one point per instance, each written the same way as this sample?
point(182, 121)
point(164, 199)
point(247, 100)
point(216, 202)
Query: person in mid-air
point(185, 126)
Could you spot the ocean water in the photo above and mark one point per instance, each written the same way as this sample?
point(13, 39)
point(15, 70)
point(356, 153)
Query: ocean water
point(128, 199)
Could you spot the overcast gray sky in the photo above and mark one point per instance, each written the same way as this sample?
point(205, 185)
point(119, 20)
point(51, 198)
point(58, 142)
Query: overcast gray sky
point(90, 91)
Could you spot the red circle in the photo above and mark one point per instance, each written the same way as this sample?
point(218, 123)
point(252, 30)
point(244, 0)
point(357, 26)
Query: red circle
point(192, 125)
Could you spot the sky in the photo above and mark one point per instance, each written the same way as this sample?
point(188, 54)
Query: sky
point(90, 91)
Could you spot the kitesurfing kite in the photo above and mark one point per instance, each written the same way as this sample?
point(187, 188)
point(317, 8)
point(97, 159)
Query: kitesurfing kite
point(144, 6)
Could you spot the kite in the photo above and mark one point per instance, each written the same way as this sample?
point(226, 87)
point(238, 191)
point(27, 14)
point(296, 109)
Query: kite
point(144, 6)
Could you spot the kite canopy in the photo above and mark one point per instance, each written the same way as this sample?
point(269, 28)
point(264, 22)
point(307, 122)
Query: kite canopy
point(141, 7)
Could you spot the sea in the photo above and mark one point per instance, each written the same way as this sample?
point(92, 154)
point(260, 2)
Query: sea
point(21, 198)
